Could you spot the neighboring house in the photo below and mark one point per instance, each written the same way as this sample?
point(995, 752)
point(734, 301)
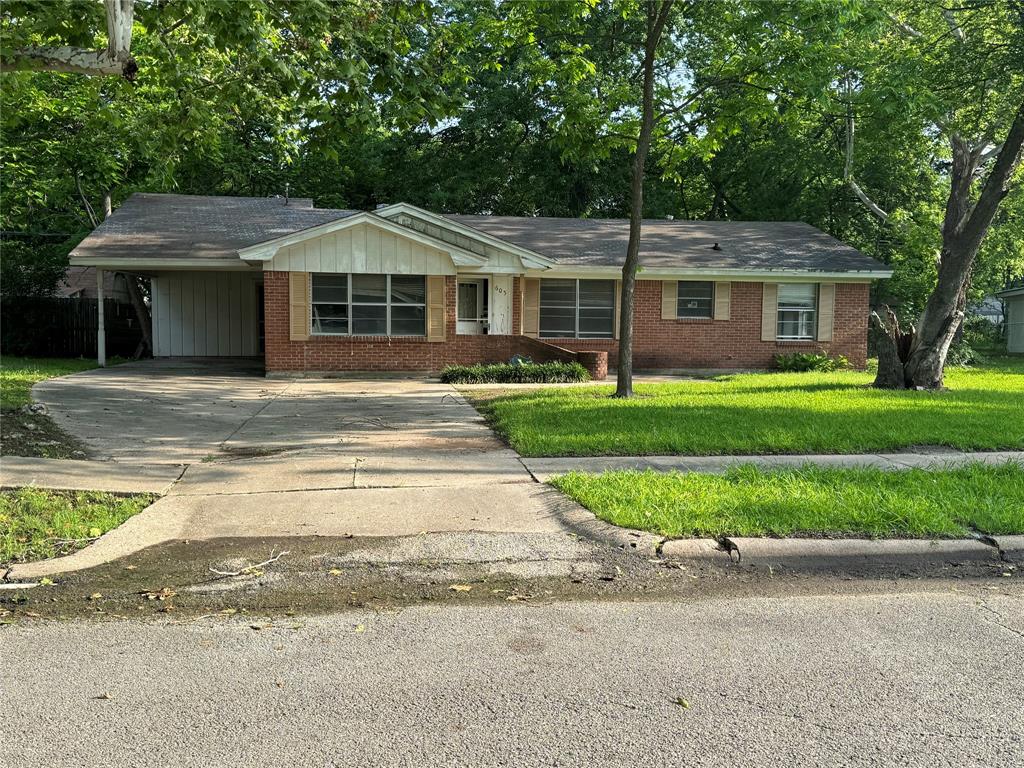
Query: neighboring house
point(1013, 300)
point(80, 282)
point(990, 308)
point(401, 288)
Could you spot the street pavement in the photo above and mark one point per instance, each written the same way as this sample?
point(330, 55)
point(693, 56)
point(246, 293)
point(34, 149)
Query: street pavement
point(911, 674)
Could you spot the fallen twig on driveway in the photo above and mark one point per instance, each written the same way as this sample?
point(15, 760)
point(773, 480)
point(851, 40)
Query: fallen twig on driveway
point(250, 568)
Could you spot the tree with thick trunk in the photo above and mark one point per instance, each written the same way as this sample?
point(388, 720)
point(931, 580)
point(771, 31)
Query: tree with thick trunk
point(115, 60)
point(915, 357)
point(657, 17)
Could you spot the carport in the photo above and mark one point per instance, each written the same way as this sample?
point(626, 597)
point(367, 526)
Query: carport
point(205, 301)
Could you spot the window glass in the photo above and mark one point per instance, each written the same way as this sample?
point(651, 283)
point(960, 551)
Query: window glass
point(558, 293)
point(797, 295)
point(369, 320)
point(468, 308)
point(408, 320)
point(380, 304)
point(597, 309)
point(558, 308)
point(796, 325)
point(797, 308)
point(695, 298)
point(582, 309)
point(408, 289)
point(371, 289)
point(330, 288)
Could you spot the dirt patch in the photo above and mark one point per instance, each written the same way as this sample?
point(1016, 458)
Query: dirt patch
point(321, 575)
point(36, 434)
point(251, 451)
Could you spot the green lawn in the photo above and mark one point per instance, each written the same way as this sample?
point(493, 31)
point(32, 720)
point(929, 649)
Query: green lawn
point(36, 524)
point(982, 409)
point(18, 374)
point(810, 501)
point(33, 434)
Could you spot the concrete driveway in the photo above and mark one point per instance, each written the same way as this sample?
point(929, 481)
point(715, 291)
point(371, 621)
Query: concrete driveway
point(182, 412)
point(295, 457)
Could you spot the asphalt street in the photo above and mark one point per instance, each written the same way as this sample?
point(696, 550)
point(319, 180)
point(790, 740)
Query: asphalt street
point(929, 677)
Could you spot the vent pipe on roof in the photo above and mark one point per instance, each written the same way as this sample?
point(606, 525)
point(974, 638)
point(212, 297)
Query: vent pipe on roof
point(286, 193)
point(716, 247)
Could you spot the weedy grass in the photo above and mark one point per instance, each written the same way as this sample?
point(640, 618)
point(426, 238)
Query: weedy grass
point(18, 374)
point(37, 524)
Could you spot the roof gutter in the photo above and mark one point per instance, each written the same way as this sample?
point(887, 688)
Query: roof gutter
point(739, 274)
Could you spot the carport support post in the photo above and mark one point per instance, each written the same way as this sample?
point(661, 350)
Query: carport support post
point(101, 331)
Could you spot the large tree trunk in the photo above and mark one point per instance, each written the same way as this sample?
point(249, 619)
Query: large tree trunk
point(116, 60)
point(964, 227)
point(657, 16)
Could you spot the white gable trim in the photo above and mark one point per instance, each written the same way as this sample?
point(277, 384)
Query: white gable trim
point(530, 259)
point(262, 252)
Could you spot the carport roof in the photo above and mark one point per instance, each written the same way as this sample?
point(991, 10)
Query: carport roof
point(159, 227)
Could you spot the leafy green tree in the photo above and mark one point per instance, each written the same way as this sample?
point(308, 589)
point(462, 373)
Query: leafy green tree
point(224, 97)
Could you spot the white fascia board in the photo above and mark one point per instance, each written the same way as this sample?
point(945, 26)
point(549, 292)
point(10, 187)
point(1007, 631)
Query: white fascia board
point(530, 259)
point(489, 270)
point(737, 275)
point(130, 264)
point(267, 250)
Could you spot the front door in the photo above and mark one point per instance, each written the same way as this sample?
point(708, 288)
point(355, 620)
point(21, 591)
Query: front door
point(472, 306)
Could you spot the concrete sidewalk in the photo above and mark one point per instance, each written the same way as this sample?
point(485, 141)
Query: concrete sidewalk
point(543, 469)
point(73, 475)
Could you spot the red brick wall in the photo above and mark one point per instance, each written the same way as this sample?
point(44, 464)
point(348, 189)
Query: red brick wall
point(733, 343)
point(372, 353)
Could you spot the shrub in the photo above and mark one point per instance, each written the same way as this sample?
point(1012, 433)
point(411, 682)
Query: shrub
point(556, 372)
point(810, 361)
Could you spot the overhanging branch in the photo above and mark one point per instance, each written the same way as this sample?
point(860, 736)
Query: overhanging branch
point(115, 61)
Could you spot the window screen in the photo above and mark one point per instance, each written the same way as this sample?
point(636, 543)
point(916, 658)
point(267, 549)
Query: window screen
point(695, 298)
point(797, 309)
point(577, 309)
point(369, 305)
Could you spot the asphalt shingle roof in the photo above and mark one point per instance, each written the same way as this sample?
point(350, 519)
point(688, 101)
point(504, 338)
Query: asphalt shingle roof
point(665, 244)
point(158, 226)
point(161, 226)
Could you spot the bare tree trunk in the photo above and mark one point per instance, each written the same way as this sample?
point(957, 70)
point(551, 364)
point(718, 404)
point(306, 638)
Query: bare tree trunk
point(657, 17)
point(116, 60)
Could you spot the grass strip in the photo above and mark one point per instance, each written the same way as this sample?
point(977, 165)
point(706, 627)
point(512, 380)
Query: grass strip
point(36, 524)
point(809, 501)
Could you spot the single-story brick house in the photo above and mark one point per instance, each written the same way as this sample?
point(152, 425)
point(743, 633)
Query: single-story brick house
point(316, 290)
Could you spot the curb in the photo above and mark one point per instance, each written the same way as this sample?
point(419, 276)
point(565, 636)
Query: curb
point(580, 521)
point(1011, 548)
point(855, 554)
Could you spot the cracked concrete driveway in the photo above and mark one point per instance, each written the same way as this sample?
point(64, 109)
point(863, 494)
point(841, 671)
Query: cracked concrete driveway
point(296, 457)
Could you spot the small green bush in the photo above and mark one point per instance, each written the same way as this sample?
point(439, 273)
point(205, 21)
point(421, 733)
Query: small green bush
point(556, 372)
point(799, 362)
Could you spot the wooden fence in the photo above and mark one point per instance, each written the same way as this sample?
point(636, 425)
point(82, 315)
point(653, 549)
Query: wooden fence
point(59, 327)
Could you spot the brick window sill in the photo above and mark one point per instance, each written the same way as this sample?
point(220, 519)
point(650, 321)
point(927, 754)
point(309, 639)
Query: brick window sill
point(346, 337)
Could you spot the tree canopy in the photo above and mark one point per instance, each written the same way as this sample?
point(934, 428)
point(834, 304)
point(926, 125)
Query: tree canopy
point(522, 108)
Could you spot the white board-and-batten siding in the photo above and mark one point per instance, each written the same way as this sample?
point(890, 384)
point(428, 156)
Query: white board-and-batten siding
point(362, 249)
point(205, 314)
